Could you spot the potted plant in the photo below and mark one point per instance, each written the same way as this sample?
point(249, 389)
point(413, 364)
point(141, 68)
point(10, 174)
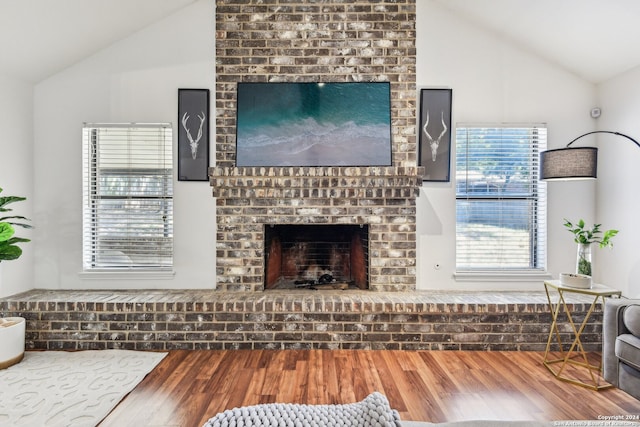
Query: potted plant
point(585, 237)
point(12, 329)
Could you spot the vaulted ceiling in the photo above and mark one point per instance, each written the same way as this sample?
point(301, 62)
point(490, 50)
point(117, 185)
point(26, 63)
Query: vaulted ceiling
point(595, 39)
point(39, 38)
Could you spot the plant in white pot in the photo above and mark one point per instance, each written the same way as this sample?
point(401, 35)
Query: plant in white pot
point(585, 237)
point(12, 329)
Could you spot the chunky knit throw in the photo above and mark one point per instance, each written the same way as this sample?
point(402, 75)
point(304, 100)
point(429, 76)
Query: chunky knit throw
point(373, 411)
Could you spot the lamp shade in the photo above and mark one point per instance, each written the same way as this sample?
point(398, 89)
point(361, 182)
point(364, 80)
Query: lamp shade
point(569, 163)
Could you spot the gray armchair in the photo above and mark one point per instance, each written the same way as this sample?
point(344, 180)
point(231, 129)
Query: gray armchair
point(621, 344)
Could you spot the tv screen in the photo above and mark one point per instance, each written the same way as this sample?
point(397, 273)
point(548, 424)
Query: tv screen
point(313, 124)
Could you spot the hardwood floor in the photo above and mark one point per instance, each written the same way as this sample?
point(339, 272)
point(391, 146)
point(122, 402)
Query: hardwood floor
point(189, 387)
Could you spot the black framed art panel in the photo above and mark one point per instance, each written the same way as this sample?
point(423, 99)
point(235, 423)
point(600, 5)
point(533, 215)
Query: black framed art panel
point(434, 152)
point(193, 134)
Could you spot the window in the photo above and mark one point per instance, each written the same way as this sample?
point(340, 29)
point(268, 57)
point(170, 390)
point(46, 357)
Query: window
point(500, 203)
point(127, 197)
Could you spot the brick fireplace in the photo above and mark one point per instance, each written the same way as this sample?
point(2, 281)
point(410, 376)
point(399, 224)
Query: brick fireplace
point(248, 198)
point(286, 41)
point(271, 40)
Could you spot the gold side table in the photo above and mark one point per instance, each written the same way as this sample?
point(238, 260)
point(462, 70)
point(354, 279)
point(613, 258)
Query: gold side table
point(576, 350)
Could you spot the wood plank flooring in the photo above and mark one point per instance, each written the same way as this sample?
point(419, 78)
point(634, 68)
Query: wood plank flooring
point(189, 387)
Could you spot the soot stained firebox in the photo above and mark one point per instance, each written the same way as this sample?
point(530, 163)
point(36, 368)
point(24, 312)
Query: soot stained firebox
point(316, 256)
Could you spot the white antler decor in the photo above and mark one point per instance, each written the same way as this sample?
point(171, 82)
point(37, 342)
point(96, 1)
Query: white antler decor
point(193, 143)
point(434, 143)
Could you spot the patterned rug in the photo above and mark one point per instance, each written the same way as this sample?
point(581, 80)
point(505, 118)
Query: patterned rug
point(58, 388)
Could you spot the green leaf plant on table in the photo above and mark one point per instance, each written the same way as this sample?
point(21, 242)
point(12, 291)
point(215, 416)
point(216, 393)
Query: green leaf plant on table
point(585, 237)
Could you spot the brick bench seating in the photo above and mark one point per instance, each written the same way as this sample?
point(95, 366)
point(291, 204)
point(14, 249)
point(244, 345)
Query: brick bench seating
point(298, 319)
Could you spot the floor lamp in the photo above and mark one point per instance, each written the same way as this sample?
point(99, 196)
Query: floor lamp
point(573, 162)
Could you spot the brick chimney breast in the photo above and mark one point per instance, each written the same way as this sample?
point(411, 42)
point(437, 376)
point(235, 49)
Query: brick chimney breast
point(310, 41)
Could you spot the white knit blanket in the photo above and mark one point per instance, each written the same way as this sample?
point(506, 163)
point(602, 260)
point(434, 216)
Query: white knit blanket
point(373, 411)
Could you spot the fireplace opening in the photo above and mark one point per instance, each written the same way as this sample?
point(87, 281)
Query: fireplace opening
point(316, 256)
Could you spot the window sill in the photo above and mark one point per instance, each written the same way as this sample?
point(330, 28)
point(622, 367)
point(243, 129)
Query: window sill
point(499, 276)
point(127, 274)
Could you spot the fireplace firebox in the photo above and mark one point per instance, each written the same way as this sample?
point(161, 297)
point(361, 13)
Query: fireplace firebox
point(316, 256)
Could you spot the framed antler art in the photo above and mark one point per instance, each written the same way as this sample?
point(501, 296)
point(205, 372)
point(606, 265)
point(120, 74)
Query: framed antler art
point(434, 152)
point(193, 134)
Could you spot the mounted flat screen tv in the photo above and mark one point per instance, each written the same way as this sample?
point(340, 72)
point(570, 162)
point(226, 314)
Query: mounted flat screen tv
point(313, 124)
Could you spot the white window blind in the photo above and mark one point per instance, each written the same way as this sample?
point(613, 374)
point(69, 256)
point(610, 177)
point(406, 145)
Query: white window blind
point(500, 203)
point(127, 196)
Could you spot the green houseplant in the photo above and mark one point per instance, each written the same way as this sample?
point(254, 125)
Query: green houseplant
point(9, 250)
point(585, 237)
point(12, 329)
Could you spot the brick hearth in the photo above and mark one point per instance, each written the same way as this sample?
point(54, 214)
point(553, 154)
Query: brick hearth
point(200, 319)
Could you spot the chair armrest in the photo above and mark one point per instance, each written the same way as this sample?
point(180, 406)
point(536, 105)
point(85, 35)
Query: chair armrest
point(612, 327)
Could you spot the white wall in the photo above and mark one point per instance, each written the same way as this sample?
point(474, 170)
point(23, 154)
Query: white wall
point(16, 171)
point(618, 203)
point(134, 80)
point(494, 81)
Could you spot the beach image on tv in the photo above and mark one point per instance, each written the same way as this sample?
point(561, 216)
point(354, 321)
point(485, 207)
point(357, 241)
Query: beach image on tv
point(313, 124)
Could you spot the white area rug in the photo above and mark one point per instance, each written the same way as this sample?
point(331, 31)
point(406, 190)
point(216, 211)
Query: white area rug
point(58, 388)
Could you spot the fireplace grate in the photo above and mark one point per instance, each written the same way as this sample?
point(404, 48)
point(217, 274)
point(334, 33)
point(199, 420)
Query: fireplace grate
point(310, 262)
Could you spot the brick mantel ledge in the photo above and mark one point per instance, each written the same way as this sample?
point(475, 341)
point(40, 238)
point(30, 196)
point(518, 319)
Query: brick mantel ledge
point(231, 182)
